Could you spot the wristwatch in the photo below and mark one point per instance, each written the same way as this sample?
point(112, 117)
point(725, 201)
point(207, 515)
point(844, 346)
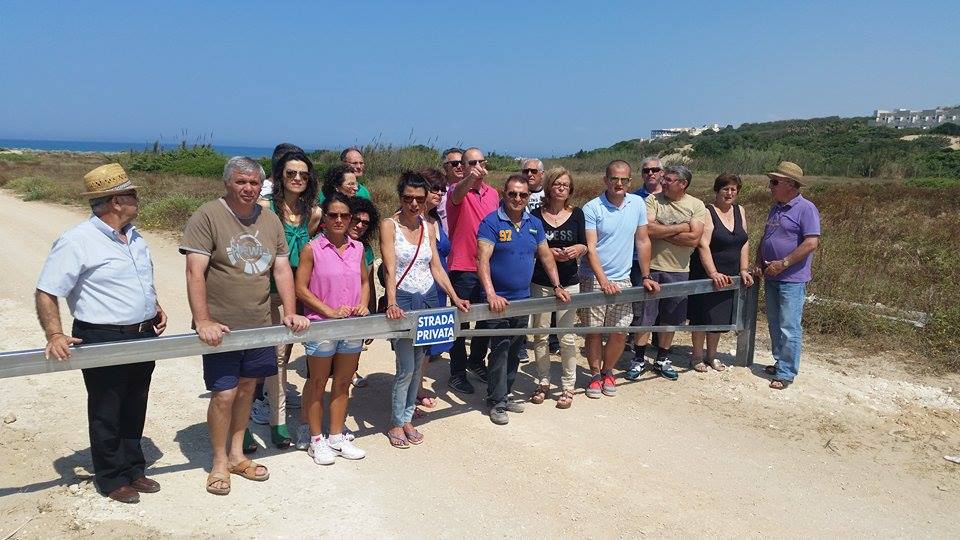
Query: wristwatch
point(646, 277)
point(555, 287)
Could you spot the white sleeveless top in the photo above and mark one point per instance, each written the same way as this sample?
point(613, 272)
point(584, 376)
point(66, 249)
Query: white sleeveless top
point(419, 279)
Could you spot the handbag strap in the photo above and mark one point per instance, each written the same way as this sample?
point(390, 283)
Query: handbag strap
point(415, 253)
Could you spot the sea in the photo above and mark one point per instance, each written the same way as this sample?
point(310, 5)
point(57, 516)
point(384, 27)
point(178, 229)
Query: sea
point(99, 146)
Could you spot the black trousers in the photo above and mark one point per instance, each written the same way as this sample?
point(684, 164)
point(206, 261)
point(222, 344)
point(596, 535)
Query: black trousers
point(467, 286)
point(504, 359)
point(116, 409)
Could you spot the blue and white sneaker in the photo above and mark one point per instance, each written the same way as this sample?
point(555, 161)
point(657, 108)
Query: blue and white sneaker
point(637, 367)
point(666, 370)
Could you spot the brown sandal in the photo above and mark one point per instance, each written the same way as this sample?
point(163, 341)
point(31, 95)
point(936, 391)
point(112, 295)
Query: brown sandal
point(717, 365)
point(539, 395)
point(248, 470)
point(215, 477)
point(565, 400)
point(700, 366)
point(777, 384)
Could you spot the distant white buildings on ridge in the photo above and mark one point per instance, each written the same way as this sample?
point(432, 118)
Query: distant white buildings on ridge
point(673, 132)
point(906, 118)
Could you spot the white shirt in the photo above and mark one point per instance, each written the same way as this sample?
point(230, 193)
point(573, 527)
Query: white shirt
point(535, 200)
point(104, 280)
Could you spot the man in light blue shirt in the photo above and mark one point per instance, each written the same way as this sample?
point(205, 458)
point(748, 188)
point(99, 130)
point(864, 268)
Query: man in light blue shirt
point(616, 224)
point(103, 268)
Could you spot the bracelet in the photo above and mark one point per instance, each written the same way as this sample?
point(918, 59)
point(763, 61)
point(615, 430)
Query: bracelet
point(555, 287)
point(393, 305)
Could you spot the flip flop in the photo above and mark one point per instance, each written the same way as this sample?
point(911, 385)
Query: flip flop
point(426, 401)
point(777, 384)
point(700, 366)
point(397, 441)
point(413, 436)
point(717, 365)
point(215, 477)
point(248, 469)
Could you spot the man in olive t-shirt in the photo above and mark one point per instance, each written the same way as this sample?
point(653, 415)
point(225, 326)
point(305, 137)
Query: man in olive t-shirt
point(675, 222)
point(233, 248)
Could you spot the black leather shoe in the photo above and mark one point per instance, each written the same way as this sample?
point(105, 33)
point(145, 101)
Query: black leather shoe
point(145, 485)
point(125, 494)
point(459, 383)
point(479, 371)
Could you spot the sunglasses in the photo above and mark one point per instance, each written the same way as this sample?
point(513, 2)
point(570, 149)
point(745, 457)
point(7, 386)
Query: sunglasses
point(649, 170)
point(410, 198)
point(453, 164)
point(474, 162)
point(518, 194)
point(333, 216)
point(438, 189)
point(529, 171)
point(775, 181)
point(364, 222)
point(290, 175)
point(619, 179)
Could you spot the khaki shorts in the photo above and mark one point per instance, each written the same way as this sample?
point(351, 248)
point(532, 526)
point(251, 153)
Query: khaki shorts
point(620, 315)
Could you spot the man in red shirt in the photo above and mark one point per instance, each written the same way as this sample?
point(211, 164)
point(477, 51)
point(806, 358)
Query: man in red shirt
point(471, 200)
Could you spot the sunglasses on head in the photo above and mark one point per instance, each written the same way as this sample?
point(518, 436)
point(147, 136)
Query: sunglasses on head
point(518, 194)
point(410, 198)
point(290, 175)
point(474, 162)
point(529, 171)
point(649, 170)
point(333, 216)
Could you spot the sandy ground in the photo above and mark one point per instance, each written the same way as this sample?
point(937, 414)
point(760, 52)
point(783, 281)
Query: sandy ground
point(854, 448)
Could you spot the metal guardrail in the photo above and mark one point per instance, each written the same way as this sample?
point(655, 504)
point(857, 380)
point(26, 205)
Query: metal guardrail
point(32, 362)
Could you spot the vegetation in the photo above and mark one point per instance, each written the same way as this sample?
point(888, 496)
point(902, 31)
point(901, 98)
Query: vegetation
point(845, 147)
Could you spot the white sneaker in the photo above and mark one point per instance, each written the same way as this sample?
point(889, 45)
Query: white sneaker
point(347, 434)
point(346, 449)
point(303, 437)
point(260, 412)
point(321, 453)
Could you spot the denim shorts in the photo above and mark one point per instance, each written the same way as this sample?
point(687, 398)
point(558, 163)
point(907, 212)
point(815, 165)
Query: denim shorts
point(222, 371)
point(328, 347)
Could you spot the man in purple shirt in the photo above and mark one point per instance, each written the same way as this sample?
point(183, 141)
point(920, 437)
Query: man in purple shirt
point(785, 255)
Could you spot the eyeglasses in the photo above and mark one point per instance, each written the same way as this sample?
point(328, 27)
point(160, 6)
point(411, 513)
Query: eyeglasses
point(473, 162)
point(132, 195)
point(410, 198)
point(438, 189)
point(650, 170)
point(563, 186)
point(530, 171)
point(619, 179)
point(518, 194)
point(669, 179)
point(453, 164)
point(333, 216)
point(290, 175)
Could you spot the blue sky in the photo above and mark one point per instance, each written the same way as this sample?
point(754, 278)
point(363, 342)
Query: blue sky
point(528, 78)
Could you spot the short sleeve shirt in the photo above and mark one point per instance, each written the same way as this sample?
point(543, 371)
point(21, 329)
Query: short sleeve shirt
point(569, 233)
point(463, 220)
point(664, 256)
point(786, 227)
point(514, 250)
point(616, 228)
point(242, 254)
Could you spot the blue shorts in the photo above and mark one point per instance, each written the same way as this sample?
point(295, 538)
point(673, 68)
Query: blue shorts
point(326, 348)
point(222, 371)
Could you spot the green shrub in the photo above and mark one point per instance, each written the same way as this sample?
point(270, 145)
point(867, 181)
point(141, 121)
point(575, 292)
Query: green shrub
point(35, 188)
point(947, 128)
point(196, 161)
point(169, 212)
point(28, 158)
point(936, 183)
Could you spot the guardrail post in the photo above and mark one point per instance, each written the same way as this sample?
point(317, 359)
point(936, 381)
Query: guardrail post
point(749, 298)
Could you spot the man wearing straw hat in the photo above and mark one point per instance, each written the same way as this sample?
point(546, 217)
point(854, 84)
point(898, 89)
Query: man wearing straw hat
point(785, 256)
point(103, 269)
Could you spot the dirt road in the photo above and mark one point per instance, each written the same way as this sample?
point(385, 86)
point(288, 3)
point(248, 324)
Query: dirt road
point(854, 448)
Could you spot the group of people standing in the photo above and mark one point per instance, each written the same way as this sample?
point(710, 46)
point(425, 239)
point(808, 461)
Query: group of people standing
point(288, 250)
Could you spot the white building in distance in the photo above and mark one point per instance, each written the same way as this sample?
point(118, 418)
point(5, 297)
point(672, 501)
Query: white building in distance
point(906, 118)
point(673, 132)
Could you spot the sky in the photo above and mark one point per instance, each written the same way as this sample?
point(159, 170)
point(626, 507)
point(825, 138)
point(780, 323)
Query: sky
point(524, 78)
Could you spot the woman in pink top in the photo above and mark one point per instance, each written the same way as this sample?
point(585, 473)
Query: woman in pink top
point(332, 283)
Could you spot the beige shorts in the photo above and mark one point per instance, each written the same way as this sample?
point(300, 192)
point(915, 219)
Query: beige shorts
point(608, 314)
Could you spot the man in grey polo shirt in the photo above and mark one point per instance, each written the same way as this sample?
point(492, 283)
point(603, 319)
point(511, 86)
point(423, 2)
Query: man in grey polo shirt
point(103, 269)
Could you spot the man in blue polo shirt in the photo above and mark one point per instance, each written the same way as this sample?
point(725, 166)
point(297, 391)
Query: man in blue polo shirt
point(507, 241)
point(616, 224)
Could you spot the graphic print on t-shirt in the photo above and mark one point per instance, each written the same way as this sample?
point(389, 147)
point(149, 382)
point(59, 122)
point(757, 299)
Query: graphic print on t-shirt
point(246, 248)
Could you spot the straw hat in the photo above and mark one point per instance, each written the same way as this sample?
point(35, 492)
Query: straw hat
point(789, 170)
point(109, 179)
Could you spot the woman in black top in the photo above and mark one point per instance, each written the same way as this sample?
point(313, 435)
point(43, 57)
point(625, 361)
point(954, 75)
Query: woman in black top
point(564, 228)
point(723, 252)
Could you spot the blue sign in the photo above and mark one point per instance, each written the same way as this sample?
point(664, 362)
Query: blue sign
point(435, 328)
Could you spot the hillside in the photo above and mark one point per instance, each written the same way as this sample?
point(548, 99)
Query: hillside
point(831, 146)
